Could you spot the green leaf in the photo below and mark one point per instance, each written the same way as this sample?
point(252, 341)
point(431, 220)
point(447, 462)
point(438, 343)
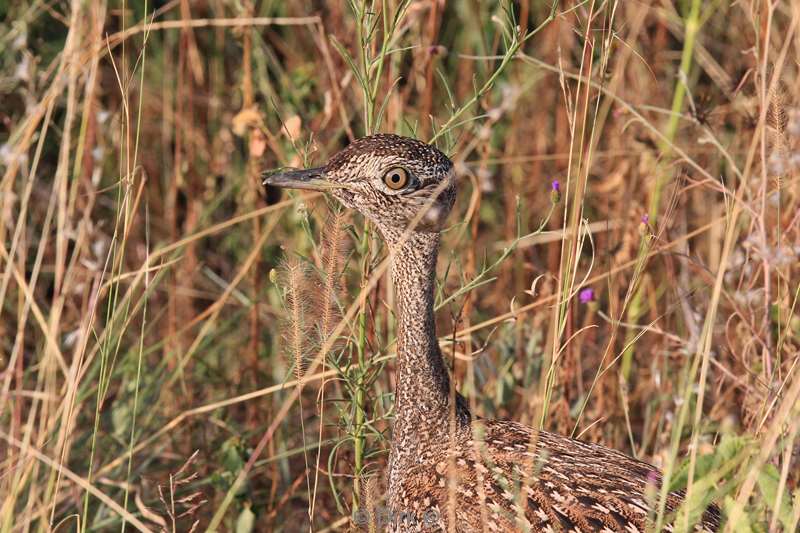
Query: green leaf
point(350, 62)
point(742, 524)
point(768, 483)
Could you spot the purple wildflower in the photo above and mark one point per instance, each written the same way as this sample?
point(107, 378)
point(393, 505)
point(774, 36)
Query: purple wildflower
point(644, 227)
point(555, 192)
point(586, 295)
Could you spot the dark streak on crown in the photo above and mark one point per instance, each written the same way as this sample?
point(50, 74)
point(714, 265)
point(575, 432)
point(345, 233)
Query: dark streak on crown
point(384, 144)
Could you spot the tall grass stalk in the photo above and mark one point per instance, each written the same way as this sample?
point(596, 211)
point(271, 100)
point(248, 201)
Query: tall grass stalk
point(692, 24)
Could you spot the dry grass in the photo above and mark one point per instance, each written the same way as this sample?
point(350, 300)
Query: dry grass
point(140, 320)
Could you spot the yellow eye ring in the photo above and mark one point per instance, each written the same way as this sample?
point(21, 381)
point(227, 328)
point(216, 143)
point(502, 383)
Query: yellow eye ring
point(396, 178)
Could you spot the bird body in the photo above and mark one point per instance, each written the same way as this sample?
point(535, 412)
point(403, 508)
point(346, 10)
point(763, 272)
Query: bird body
point(451, 471)
point(500, 475)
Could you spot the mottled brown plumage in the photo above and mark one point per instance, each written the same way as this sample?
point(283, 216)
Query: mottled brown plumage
point(449, 471)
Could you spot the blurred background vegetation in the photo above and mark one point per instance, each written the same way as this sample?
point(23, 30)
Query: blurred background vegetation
point(182, 350)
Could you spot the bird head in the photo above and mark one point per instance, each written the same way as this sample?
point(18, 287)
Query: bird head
point(401, 184)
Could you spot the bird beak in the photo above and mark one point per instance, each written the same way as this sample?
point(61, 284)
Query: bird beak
point(312, 179)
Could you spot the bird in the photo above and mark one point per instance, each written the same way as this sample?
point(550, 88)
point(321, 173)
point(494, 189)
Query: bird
point(450, 470)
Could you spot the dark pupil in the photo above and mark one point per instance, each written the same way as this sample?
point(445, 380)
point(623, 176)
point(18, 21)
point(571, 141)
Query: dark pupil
point(396, 178)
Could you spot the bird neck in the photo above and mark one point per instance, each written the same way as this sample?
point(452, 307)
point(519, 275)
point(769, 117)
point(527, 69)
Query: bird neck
point(423, 396)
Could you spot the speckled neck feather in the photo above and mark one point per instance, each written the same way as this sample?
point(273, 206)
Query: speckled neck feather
point(423, 385)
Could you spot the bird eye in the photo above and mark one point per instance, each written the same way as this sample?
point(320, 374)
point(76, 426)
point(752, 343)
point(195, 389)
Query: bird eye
point(396, 178)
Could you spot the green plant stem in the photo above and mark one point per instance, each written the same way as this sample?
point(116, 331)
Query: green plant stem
point(363, 49)
point(511, 52)
point(692, 25)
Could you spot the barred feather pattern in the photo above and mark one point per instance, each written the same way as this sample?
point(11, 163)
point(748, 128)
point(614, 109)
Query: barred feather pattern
point(510, 478)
